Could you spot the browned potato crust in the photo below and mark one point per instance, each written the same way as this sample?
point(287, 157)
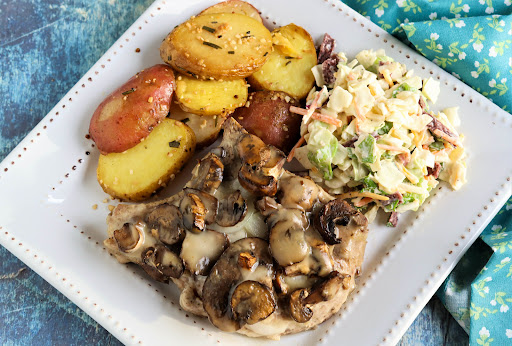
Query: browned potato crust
point(206, 128)
point(210, 97)
point(217, 46)
point(234, 6)
point(137, 173)
point(289, 67)
point(267, 115)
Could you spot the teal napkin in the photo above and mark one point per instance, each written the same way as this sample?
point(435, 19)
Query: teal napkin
point(471, 39)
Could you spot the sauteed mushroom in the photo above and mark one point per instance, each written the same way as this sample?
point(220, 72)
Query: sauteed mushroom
point(226, 274)
point(252, 302)
point(287, 236)
point(198, 208)
point(297, 308)
point(166, 223)
point(231, 210)
point(161, 263)
point(129, 237)
point(208, 174)
point(261, 166)
point(335, 214)
point(325, 290)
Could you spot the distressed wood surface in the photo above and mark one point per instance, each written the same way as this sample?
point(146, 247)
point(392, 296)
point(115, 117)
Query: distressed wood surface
point(46, 46)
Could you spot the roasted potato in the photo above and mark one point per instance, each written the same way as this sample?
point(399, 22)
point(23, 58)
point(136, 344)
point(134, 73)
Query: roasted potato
point(210, 97)
point(129, 114)
point(138, 172)
point(206, 128)
point(234, 6)
point(217, 46)
point(267, 115)
point(289, 67)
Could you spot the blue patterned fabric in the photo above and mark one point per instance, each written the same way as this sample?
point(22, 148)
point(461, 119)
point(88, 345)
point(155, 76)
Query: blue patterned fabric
point(471, 39)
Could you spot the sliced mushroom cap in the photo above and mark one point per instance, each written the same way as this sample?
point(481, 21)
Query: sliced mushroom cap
point(200, 251)
point(161, 263)
point(166, 223)
point(208, 174)
point(327, 288)
point(261, 166)
point(128, 237)
point(287, 236)
point(295, 191)
point(254, 181)
point(224, 275)
point(231, 210)
point(334, 215)
point(198, 208)
point(252, 302)
point(299, 311)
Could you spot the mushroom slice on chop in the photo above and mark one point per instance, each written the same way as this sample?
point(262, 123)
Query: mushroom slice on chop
point(231, 210)
point(336, 215)
point(166, 223)
point(133, 242)
point(208, 174)
point(261, 166)
point(302, 299)
point(198, 208)
point(200, 251)
point(300, 192)
point(227, 274)
point(287, 236)
point(252, 302)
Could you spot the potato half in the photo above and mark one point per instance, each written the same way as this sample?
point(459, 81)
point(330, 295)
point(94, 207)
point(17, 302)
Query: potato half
point(137, 173)
point(210, 97)
point(206, 128)
point(218, 46)
point(234, 6)
point(289, 67)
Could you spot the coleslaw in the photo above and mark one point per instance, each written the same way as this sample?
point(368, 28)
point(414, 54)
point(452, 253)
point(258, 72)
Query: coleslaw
point(369, 134)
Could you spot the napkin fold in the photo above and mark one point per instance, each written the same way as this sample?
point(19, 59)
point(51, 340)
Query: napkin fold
point(471, 39)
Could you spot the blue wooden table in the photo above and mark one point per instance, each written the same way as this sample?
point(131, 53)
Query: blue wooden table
point(46, 46)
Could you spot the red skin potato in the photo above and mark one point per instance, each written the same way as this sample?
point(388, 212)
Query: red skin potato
point(268, 117)
point(122, 121)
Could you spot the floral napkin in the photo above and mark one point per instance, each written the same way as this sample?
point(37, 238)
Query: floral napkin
point(471, 39)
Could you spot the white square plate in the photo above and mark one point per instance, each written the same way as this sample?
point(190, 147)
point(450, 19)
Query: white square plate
point(54, 229)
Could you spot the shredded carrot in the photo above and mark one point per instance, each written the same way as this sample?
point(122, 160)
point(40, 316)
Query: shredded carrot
point(392, 148)
point(359, 115)
point(317, 116)
point(312, 107)
point(452, 140)
point(292, 152)
point(412, 178)
point(363, 202)
point(354, 194)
